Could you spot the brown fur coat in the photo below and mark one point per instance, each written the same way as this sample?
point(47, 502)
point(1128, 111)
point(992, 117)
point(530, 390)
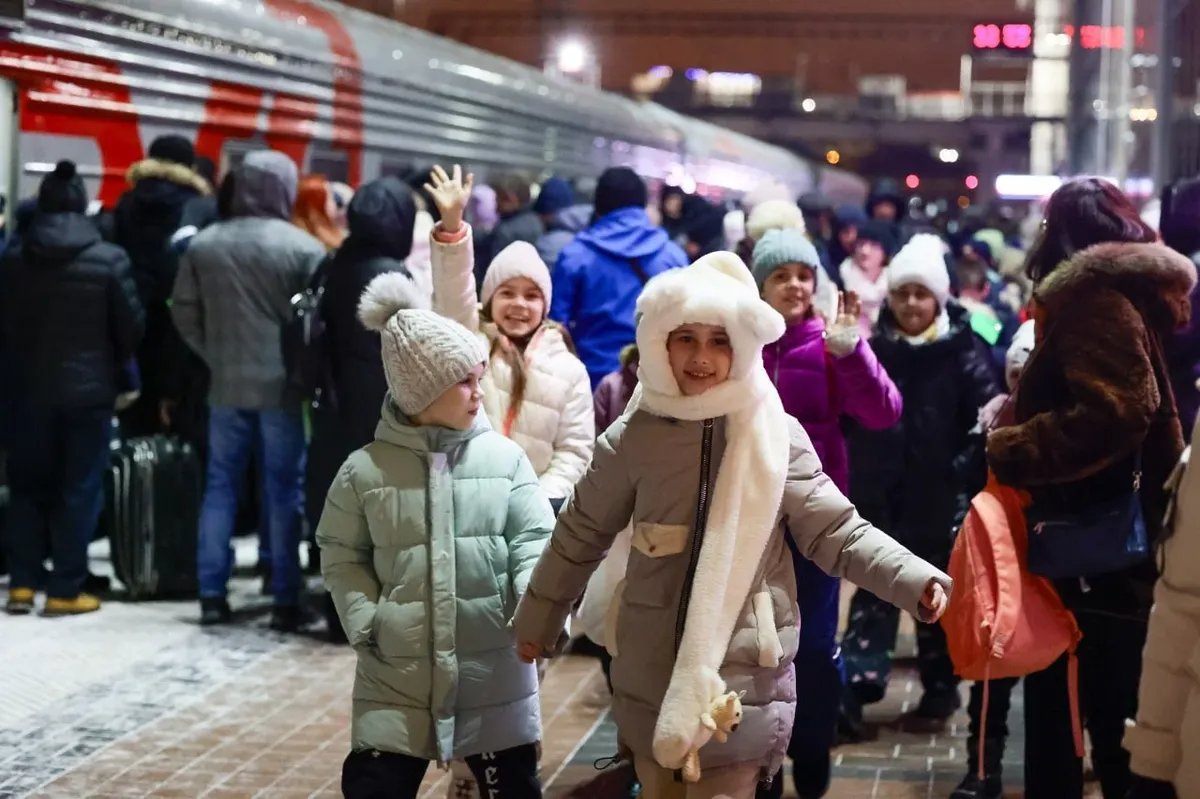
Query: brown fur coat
point(1095, 388)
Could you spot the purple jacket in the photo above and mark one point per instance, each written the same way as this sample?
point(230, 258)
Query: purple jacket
point(612, 395)
point(818, 389)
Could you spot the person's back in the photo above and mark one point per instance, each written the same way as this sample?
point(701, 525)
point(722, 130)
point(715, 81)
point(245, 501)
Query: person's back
point(600, 274)
point(235, 287)
point(562, 229)
point(70, 320)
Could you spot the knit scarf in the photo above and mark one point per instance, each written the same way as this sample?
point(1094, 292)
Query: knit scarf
point(742, 517)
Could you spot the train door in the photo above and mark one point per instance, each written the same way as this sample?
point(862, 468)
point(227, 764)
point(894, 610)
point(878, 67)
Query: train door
point(10, 163)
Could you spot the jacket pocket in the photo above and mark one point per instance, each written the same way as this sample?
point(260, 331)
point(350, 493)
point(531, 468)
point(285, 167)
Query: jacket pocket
point(660, 540)
point(612, 618)
point(770, 648)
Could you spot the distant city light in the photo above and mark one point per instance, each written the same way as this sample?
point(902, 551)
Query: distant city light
point(833, 157)
point(912, 181)
point(972, 182)
point(572, 56)
point(964, 202)
point(660, 72)
point(809, 105)
point(948, 155)
point(1143, 114)
point(696, 74)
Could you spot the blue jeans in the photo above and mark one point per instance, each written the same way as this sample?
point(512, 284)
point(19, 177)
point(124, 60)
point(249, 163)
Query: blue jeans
point(56, 473)
point(818, 663)
point(233, 435)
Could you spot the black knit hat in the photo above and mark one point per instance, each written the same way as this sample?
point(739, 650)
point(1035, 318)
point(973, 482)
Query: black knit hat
point(175, 149)
point(882, 233)
point(620, 187)
point(62, 191)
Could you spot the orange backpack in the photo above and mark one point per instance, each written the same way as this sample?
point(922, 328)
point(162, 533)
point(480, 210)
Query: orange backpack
point(1005, 621)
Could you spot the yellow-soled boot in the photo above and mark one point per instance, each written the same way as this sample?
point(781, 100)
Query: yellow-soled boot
point(20, 601)
point(84, 603)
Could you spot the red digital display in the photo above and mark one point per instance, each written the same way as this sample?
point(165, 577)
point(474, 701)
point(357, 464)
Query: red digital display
point(1104, 37)
point(1008, 37)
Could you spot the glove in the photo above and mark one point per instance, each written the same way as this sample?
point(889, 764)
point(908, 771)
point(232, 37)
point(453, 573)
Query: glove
point(842, 335)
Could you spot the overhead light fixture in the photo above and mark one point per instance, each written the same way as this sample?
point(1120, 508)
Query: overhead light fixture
point(948, 155)
point(809, 105)
point(572, 56)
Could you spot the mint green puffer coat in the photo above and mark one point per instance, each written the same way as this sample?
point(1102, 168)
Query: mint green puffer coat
point(428, 538)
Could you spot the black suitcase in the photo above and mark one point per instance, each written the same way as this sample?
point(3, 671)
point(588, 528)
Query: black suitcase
point(152, 512)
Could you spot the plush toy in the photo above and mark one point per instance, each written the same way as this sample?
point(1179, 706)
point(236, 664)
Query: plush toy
point(720, 721)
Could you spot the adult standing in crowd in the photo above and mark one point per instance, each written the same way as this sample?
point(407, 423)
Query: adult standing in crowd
point(1181, 232)
point(232, 298)
point(563, 215)
point(316, 212)
point(70, 320)
point(1095, 419)
point(518, 219)
point(600, 274)
point(165, 190)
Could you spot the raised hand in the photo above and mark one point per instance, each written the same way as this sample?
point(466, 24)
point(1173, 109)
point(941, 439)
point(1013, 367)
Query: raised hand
point(841, 337)
point(450, 194)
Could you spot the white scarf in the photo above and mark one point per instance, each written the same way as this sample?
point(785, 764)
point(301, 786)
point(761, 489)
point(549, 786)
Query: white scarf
point(742, 518)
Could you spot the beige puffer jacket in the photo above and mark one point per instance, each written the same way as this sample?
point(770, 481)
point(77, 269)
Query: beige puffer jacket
point(649, 469)
point(1165, 742)
point(556, 424)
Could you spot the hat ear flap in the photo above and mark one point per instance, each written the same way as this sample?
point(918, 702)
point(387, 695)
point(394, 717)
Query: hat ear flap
point(761, 320)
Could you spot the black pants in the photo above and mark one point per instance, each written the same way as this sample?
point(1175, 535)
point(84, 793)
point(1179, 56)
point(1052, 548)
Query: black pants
point(370, 774)
point(992, 731)
point(1110, 668)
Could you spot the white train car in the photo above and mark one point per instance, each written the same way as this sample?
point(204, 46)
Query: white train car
point(342, 92)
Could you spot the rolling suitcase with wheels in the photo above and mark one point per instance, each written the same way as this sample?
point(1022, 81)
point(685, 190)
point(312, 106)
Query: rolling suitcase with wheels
point(152, 513)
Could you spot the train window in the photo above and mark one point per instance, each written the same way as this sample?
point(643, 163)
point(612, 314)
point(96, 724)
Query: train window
point(334, 166)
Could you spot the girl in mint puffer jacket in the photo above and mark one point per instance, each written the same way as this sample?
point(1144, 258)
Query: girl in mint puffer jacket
point(428, 538)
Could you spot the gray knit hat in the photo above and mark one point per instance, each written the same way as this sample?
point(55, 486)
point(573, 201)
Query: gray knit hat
point(778, 247)
point(424, 353)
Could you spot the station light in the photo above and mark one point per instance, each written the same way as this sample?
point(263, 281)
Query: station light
point(948, 155)
point(972, 182)
point(809, 105)
point(912, 181)
point(833, 157)
point(964, 202)
point(572, 56)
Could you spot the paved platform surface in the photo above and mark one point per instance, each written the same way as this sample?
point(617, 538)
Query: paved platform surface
point(139, 701)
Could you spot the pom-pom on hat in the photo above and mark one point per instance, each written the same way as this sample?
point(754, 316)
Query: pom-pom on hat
point(62, 191)
point(922, 261)
point(519, 259)
point(774, 215)
point(779, 247)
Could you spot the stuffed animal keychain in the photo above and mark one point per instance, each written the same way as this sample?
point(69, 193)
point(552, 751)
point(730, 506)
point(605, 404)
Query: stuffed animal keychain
point(721, 721)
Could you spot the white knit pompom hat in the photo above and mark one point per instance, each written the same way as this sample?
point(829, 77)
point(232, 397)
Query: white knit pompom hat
point(716, 290)
point(922, 261)
point(519, 259)
point(424, 353)
point(774, 215)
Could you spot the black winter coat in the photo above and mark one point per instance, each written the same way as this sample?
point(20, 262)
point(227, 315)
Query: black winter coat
point(71, 317)
point(381, 218)
point(910, 480)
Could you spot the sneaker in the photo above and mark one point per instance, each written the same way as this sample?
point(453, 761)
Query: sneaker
point(20, 601)
point(289, 618)
point(938, 704)
point(83, 603)
point(812, 776)
point(215, 610)
point(972, 787)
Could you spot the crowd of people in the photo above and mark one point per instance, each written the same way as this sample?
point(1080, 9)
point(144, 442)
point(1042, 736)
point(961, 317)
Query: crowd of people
point(728, 409)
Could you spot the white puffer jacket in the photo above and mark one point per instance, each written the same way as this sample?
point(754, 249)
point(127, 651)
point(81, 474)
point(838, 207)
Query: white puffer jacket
point(556, 424)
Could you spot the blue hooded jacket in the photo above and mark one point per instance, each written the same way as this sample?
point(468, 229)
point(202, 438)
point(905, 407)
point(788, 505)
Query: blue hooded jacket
point(596, 284)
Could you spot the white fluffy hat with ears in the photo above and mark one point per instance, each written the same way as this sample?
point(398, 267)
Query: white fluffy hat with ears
point(716, 290)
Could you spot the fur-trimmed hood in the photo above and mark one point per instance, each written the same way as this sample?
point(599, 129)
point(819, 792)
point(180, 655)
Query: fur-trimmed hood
point(168, 171)
point(1145, 273)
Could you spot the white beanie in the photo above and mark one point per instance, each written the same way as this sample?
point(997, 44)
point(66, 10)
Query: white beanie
point(767, 191)
point(716, 290)
point(519, 259)
point(774, 215)
point(424, 353)
point(922, 261)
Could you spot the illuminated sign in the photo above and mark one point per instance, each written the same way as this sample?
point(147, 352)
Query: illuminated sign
point(1002, 38)
point(1104, 37)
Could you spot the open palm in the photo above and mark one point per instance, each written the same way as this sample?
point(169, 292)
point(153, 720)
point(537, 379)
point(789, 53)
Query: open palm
point(450, 194)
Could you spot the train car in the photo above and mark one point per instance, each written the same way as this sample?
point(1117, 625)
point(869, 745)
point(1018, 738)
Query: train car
point(342, 92)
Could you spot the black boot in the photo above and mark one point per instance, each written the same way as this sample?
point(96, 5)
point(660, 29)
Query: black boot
point(289, 618)
point(938, 704)
point(991, 785)
point(1146, 788)
point(215, 610)
point(851, 729)
point(772, 789)
point(811, 777)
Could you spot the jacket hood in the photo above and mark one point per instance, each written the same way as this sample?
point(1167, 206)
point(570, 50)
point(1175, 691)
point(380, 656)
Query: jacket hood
point(265, 186)
point(177, 174)
point(397, 429)
point(382, 219)
point(57, 238)
point(627, 233)
point(573, 220)
point(1145, 273)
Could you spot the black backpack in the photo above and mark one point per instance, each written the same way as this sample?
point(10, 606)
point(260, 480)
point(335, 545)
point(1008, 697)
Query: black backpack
point(306, 358)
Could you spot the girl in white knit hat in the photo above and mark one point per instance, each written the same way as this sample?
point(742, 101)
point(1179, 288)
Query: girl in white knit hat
point(428, 538)
point(913, 479)
point(716, 478)
point(535, 391)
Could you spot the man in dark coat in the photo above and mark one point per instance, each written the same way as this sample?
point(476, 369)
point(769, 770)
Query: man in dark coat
point(71, 321)
point(518, 220)
point(164, 190)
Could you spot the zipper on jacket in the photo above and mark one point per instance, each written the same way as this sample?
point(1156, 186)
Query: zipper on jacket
point(698, 537)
